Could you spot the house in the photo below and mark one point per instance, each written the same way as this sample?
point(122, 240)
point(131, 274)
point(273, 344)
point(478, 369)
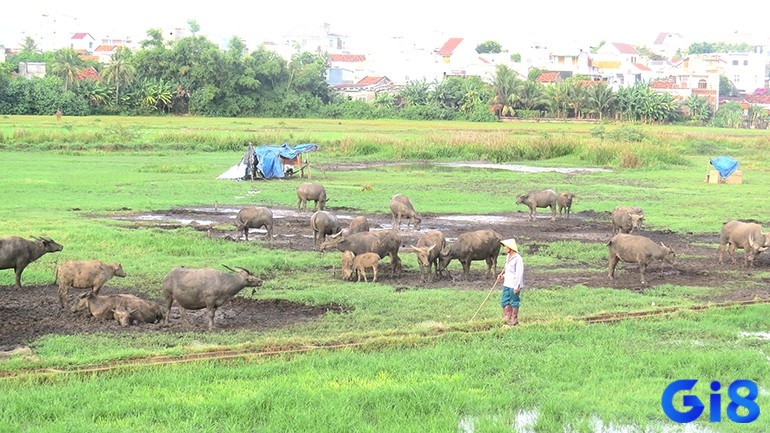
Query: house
point(669, 45)
point(553, 77)
point(746, 71)
point(695, 75)
point(32, 69)
point(367, 88)
point(346, 69)
point(82, 41)
point(619, 65)
point(454, 58)
point(104, 53)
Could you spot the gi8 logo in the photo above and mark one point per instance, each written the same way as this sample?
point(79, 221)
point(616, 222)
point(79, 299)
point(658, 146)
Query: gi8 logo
point(715, 402)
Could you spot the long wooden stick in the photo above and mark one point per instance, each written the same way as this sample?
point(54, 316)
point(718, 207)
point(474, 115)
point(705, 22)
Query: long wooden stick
point(485, 300)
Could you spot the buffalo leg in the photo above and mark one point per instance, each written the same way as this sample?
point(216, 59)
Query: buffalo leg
point(612, 263)
point(211, 313)
point(642, 267)
point(19, 270)
point(374, 280)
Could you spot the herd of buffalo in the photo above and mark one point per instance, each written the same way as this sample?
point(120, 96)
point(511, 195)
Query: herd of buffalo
point(195, 289)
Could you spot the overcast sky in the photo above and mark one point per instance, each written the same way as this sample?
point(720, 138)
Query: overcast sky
point(637, 22)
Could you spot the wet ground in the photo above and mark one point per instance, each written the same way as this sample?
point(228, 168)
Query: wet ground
point(33, 311)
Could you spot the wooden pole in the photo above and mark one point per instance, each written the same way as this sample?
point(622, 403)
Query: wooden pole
point(485, 300)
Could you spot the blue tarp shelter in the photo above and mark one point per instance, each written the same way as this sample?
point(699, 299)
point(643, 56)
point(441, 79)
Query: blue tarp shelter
point(268, 162)
point(724, 165)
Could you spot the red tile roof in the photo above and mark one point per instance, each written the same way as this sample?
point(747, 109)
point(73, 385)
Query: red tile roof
point(449, 47)
point(368, 81)
point(89, 73)
point(81, 36)
point(547, 77)
point(641, 67)
point(347, 57)
point(661, 84)
point(757, 99)
point(625, 48)
point(105, 48)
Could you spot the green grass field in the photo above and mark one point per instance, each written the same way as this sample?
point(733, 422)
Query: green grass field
point(411, 360)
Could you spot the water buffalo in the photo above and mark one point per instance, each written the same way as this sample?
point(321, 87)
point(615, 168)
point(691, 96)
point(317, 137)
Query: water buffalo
point(18, 253)
point(194, 289)
point(365, 261)
point(382, 242)
point(401, 206)
point(539, 199)
point(636, 249)
point(347, 265)
point(311, 191)
point(103, 307)
point(85, 274)
point(626, 219)
point(747, 236)
point(428, 249)
point(357, 225)
point(469, 246)
point(254, 218)
point(564, 202)
point(323, 224)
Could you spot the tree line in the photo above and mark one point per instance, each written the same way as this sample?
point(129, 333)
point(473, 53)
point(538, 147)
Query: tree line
point(194, 76)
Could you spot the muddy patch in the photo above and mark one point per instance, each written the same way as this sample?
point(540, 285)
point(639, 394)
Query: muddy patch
point(33, 311)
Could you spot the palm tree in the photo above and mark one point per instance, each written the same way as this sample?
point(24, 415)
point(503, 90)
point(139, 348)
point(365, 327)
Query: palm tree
point(120, 71)
point(504, 84)
point(66, 65)
point(577, 99)
point(601, 98)
point(558, 96)
point(530, 96)
point(29, 45)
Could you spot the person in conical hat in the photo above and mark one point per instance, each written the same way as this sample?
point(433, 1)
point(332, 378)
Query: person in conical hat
point(513, 281)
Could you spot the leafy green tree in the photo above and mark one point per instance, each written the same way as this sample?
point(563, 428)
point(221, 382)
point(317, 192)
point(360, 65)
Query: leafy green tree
point(193, 26)
point(120, 71)
point(154, 39)
point(534, 73)
point(698, 107)
point(504, 84)
point(66, 66)
point(29, 45)
point(415, 93)
point(757, 116)
point(516, 58)
point(601, 99)
point(726, 87)
point(157, 95)
point(530, 95)
point(558, 96)
point(485, 47)
point(384, 100)
point(729, 115)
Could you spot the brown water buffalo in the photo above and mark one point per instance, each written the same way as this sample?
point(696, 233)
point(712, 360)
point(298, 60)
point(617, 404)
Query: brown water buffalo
point(254, 218)
point(17, 253)
point(311, 191)
point(401, 206)
point(636, 249)
point(85, 274)
point(469, 246)
point(747, 236)
point(428, 250)
point(382, 242)
point(323, 224)
point(195, 289)
point(103, 307)
point(539, 199)
point(626, 219)
point(564, 203)
point(365, 261)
